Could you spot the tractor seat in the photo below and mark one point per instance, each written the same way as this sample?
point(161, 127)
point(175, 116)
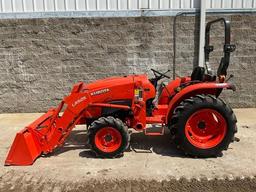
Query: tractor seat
point(198, 74)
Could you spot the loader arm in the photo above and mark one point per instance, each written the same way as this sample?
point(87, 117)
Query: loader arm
point(50, 130)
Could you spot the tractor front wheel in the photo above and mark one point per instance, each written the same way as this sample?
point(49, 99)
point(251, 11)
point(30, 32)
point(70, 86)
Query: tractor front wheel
point(203, 126)
point(108, 137)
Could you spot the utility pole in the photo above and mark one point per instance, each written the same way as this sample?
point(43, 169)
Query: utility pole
point(202, 33)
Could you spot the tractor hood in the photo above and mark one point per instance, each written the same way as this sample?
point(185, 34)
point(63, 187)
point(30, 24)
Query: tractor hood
point(115, 81)
point(119, 88)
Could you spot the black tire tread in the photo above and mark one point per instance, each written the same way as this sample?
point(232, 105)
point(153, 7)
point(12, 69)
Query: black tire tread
point(184, 107)
point(103, 122)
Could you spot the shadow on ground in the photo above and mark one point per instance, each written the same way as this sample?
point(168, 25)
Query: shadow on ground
point(140, 143)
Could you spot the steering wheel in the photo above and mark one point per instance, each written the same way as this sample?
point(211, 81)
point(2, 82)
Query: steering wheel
point(160, 75)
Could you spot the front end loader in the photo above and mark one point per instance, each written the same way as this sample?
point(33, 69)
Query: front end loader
point(200, 123)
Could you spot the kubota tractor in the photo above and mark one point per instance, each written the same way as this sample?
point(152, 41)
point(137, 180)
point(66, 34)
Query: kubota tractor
point(201, 124)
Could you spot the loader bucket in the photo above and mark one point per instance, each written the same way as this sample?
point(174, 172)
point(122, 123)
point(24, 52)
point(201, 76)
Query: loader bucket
point(26, 146)
point(50, 130)
point(24, 150)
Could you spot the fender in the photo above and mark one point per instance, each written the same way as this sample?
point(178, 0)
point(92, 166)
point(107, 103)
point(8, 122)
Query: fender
point(199, 88)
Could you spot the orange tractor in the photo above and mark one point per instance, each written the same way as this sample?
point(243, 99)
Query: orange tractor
point(200, 123)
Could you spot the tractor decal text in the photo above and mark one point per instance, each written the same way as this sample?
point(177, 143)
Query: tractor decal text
point(99, 92)
point(78, 101)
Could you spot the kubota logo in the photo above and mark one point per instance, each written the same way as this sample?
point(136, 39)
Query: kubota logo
point(100, 92)
point(78, 101)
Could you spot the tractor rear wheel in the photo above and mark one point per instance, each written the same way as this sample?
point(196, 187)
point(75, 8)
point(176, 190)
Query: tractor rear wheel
point(108, 137)
point(203, 126)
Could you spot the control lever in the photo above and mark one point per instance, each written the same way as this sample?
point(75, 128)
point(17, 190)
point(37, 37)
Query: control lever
point(230, 77)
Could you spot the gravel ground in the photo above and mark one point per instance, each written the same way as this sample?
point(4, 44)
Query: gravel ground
point(153, 164)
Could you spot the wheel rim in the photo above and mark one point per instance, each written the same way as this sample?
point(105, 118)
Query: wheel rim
point(108, 139)
point(206, 128)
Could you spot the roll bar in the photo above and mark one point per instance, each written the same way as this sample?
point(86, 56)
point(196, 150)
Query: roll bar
point(227, 48)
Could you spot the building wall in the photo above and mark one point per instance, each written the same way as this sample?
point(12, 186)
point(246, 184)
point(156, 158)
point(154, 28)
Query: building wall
point(14, 6)
point(40, 59)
